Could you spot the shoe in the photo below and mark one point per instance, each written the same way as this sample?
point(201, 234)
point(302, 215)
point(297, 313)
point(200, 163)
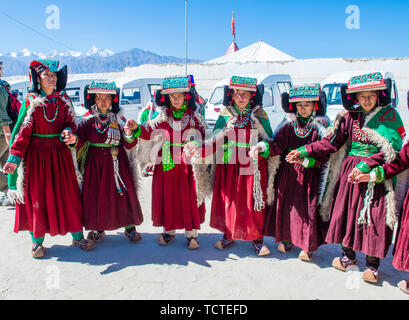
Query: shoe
point(165, 239)
point(84, 244)
point(371, 275)
point(285, 247)
point(37, 251)
point(96, 235)
point(192, 243)
point(260, 248)
point(404, 286)
point(305, 256)
point(343, 263)
point(133, 236)
point(224, 244)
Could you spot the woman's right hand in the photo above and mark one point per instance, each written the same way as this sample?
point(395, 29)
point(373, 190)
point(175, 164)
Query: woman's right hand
point(9, 168)
point(255, 151)
point(190, 149)
point(293, 156)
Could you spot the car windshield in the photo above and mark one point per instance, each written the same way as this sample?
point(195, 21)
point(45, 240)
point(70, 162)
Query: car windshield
point(333, 92)
point(131, 96)
point(74, 94)
point(217, 96)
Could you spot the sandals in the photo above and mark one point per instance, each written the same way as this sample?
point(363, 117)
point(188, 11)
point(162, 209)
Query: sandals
point(305, 256)
point(343, 263)
point(260, 248)
point(285, 247)
point(84, 244)
point(96, 235)
point(165, 239)
point(192, 243)
point(224, 244)
point(371, 275)
point(404, 286)
point(133, 236)
point(37, 251)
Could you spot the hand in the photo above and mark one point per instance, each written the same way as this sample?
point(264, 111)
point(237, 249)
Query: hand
point(190, 149)
point(293, 156)
point(366, 177)
point(254, 152)
point(130, 125)
point(354, 173)
point(69, 137)
point(9, 168)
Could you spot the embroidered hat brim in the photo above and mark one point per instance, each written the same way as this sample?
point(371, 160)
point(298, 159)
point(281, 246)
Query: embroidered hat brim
point(243, 83)
point(366, 82)
point(175, 85)
point(305, 93)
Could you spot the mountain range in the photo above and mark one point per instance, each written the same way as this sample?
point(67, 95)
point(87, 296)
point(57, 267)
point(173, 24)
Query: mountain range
point(95, 60)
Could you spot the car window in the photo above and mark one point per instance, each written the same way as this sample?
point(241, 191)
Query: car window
point(283, 87)
point(153, 88)
point(333, 93)
point(131, 96)
point(74, 94)
point(217, 96)
point(268, 98)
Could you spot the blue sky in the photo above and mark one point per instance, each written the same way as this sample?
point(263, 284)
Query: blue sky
point(303, 29)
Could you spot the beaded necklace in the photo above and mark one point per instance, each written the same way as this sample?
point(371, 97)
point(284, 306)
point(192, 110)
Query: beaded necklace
point(244, 117)
point(302, 132)
point(361, 136)
point(55, 115)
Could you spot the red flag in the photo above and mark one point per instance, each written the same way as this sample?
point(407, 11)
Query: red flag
point(232, 25)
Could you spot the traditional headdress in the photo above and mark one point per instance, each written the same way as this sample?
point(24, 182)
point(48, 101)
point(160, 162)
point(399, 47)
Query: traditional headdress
point(366, 82)
point(101, 87)
point(175, 85)
point(310, 92)
point(246, 84)
point(38, 66)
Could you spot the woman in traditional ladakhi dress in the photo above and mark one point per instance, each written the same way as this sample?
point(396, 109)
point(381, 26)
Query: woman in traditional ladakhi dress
point(45, 187)
point(177, 200)
point(384, 173)
point(109, 196)
point(293, 216)
point(366, 135)
point(238, 204)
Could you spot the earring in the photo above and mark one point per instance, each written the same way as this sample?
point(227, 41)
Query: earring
point(38, 86)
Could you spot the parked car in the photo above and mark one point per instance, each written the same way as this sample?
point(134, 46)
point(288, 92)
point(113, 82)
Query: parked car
point(332, 88)
point(20, 90)
point(137, 94)
point(274, 86)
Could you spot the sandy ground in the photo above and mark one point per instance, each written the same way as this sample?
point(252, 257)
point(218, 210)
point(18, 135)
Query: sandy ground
point(117, 269)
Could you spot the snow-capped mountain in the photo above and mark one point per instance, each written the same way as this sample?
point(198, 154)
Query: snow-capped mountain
point(93, 60)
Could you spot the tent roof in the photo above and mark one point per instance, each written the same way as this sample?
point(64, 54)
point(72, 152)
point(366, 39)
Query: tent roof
point(232, 48)
point(257, 52)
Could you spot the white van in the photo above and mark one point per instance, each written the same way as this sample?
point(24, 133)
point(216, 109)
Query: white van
point(274, 86)
point(332, 88)
point(20, 89)
point(75, 90)
point(136, 94)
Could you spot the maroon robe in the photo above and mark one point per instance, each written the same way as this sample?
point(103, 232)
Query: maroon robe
point(233, 210)
point(293, 215)
point(401, 250)
point(51, 191)
point(104, 207)
point(174, 197)
point(348, 200)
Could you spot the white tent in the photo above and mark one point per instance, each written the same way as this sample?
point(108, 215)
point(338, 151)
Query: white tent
point(257, 52)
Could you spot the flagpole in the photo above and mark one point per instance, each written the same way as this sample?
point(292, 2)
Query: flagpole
point(186, 37)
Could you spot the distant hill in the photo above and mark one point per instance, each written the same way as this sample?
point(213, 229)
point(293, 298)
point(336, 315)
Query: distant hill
point(93, 61)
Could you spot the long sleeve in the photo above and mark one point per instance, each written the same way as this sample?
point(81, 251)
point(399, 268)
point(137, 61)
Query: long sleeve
point(21, 143)
point(400, 164)
point(329, 144)
point(4, 100)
